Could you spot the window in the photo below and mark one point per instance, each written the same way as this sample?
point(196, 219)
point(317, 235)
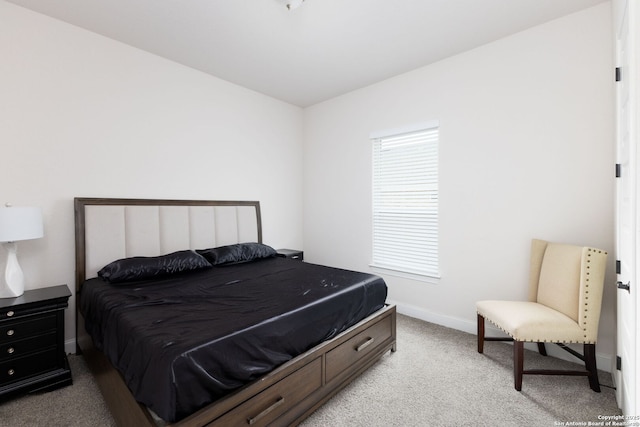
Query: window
point(405, 201)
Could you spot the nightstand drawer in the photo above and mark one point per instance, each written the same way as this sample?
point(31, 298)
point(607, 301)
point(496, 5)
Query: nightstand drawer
point(23, 367)
point(14, 313)
point(11, 331)
point(19, 348)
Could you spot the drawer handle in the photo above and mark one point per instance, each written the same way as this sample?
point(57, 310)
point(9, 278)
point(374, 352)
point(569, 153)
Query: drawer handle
point(253, 420)
point(10, 332)
point(10, 313)
point(11, 372)
point(365, 344)
point(10, 350)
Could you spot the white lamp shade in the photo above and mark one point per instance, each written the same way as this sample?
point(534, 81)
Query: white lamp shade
point(20, 223)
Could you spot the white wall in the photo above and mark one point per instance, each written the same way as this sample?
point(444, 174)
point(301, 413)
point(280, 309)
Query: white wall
point(527, 150)
point(83, 115)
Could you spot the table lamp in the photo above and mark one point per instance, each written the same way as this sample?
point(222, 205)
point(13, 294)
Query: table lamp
point(17, 223)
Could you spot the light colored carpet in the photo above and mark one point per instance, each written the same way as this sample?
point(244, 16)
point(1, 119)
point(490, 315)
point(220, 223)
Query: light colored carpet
point(436, 378)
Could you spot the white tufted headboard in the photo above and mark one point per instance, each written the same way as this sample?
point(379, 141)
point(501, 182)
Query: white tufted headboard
point(111, 229)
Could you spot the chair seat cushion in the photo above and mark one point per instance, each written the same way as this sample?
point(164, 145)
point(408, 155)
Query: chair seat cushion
point(531, 321)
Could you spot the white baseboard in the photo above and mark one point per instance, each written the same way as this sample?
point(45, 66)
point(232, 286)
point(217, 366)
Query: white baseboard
point(70, 346)
point(604, 361)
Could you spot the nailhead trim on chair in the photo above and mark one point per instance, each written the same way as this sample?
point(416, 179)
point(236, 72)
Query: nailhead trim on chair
point(532, 340)
point(586, 297)
point(586, 292)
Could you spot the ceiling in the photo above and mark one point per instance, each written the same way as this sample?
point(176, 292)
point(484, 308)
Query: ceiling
point(312, 53)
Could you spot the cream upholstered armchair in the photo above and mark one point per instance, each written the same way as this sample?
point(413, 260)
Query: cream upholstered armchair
point(565, 295)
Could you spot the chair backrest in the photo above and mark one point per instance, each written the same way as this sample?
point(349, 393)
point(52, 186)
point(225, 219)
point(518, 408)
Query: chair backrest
point(569, 279)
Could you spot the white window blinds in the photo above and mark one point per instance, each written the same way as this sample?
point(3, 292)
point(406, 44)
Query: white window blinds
point(405, 202)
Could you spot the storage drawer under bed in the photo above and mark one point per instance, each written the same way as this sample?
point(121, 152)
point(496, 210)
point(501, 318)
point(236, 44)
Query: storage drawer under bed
point(272, 402)
point(356, 348)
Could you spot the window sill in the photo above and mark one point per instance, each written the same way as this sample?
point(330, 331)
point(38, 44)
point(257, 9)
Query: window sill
point(406, 275)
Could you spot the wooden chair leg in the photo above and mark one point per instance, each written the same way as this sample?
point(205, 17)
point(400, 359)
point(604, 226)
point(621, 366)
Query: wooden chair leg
point(518, 363)
point(542, 349)
point(590, 364)
point(480, 334)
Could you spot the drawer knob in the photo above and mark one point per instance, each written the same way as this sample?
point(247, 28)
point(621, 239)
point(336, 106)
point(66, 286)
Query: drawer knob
point(253, 420)
point(11, 350)
point(10, 313)
point(365, 344)
point(11, 372)
point(10, 332)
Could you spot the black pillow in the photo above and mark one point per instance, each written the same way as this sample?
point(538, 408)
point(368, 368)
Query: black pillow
point(139, 268)
point(240, 252)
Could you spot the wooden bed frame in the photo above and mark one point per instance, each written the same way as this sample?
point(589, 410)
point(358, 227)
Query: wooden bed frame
point(285, 396)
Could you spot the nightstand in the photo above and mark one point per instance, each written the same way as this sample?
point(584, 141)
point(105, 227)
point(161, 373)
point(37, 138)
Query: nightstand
point(32, 356)
point(291, 254)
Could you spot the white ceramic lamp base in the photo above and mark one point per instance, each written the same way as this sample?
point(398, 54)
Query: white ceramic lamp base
point(13, 284)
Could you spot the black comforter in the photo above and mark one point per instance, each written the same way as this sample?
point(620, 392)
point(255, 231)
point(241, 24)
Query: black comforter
point(184, 341)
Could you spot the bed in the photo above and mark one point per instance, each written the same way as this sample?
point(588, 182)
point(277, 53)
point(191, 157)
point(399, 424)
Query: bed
point(302, 353)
